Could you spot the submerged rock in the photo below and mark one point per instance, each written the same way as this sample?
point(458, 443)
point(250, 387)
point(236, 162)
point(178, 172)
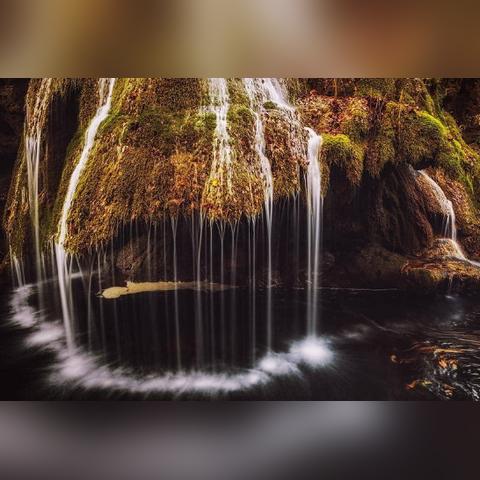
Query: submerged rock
point(132, 288)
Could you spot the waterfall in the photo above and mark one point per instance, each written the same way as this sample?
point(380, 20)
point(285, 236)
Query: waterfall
point(63, 267)
point(314, 219)
point(34, 126)
point(258, 94)
point(222, 152)
point(261, 91)
point(450, 227)
point(100, 116)
point(274, 90)
point(18, 275)
point(269, 89)
point(202, 324)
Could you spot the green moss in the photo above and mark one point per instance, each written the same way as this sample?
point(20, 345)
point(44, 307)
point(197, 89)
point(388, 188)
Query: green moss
point(393, 121)
point(206, 122)
point(415, 92)
point(355, 121)
point(341, 151)
point(270, 105)
point(237, 93)
point(420, 135)
point(404, 134)
point(379, 88)
point(241, 122)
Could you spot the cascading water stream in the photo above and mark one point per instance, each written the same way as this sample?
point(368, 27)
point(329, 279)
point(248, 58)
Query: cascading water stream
point(314, 219)
point(258, 94)
point(106, 92)
point(450, 227)
point(260, 91)
point(220, 175)
point(222, 151)
point(34, 127)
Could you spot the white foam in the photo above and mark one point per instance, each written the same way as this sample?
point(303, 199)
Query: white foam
point(312, 351)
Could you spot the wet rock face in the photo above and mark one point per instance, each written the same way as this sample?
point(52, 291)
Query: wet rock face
point(399, 213)
point(12, 100)
point(441, 268)
point(393, 211)
point(467, 218)
point(56, 120)
point(387, 233)
point(462, 99)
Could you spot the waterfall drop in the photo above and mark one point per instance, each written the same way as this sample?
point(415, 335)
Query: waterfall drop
point(314, 213)
point(258, 95)
point(450, 227)
point(259, 92)
point(222, 151)
point(62, 258)
point(34, 128)
point(106, 92)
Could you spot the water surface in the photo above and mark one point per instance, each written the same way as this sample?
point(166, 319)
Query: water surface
point(213, 344)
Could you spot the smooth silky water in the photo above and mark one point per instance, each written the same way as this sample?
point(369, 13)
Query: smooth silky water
point(371, 345)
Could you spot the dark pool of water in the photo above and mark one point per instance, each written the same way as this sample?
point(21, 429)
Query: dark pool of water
point(188, 344)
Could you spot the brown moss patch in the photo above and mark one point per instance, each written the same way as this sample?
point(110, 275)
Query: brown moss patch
point(285, 149)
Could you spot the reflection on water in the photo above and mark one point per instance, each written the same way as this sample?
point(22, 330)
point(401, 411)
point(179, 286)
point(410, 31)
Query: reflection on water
point(372, 344)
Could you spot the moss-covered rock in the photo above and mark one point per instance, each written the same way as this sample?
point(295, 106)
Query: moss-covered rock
point(369, 124)
point(340, 150)
point(439, 269)
point(154, 156)
point(151, 157)
point(286, 151)
point(51, 109)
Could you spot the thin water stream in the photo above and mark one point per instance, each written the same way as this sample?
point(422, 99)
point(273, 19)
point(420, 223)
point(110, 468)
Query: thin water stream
point(64, 261)
point(450, 226)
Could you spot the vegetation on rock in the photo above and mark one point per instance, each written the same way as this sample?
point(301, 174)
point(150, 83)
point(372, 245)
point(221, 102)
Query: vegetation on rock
point(153, 158)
